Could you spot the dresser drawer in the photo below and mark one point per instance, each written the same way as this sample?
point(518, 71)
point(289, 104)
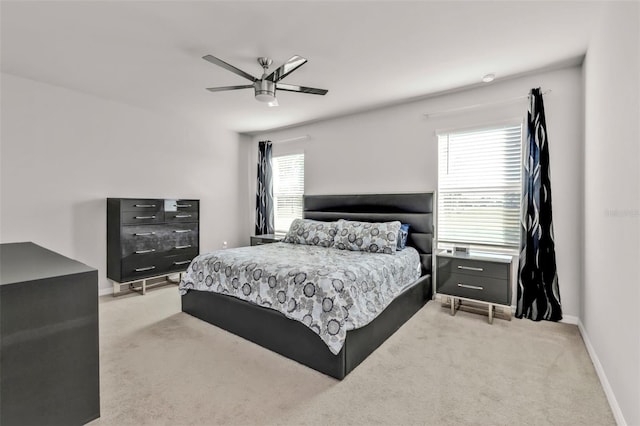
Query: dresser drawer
point(178, 235)
point(181, 206)
point(179, 262)
point(139, 239)
point(180, 216)
point(141, 205)
point(141, 217)
point(478, 268)
point(487, 289)
point(136, 267)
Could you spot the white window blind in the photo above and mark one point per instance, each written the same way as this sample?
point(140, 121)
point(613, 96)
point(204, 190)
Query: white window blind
point(479, 186)
point(288, 189)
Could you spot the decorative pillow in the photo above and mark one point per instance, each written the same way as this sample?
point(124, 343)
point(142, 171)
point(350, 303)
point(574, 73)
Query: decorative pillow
point(366, 236)
point(311, 232)
point(403, 233)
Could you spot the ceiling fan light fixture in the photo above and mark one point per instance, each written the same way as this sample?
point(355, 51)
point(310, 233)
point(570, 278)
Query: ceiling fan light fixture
point(265, 96)
point(265, 91)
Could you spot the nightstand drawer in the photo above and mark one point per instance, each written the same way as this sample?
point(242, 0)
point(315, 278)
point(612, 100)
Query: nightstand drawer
point(258, 240)
point(478, 268)
point(486, 289)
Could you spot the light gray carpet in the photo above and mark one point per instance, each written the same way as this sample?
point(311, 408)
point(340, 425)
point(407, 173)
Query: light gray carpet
point(161, 366)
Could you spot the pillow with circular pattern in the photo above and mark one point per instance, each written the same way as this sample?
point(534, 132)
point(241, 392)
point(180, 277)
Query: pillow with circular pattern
point(374, 237)
point(311, 232)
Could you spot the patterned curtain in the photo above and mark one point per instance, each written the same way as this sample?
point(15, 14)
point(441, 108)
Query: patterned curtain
point(264, 190)
point(538, 291)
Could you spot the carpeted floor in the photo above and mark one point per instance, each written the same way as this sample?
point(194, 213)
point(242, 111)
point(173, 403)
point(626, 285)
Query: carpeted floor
point(161, 366)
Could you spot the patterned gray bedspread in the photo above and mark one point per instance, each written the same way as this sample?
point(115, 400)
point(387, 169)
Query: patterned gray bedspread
point(329, 290)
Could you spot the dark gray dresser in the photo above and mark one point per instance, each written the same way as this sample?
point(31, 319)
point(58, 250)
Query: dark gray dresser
point(49, 362)
point(484, 278)
point(150, 237)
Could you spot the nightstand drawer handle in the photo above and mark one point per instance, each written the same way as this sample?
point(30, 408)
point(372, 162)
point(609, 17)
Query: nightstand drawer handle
point(471, 268)
point(182, 215)
point(182, 262)
point(148, 268)
point(144, 217)
point(184, 206)
point(145, 251)
point(183, 247)
point(180, 231)
point(472, 287)
point(142, 206)
point(140, 234)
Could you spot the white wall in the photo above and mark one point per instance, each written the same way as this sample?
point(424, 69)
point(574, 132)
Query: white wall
point(63, 153)
point(394, 149)
point(611, 294)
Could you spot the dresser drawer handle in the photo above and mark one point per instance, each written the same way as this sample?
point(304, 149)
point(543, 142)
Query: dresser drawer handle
point(182, 215)
point(142, 206)
point(145, 251)
point(183, 206)
point(180, 231)
point(183, 247)
point(148, 268)
point(472, 287)
point(141, 234)
point(471, 268)
point(144, 217)
point(182, 262)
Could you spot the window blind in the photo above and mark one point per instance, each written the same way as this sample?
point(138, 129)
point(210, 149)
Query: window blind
point(288, 189)
point(479, 186)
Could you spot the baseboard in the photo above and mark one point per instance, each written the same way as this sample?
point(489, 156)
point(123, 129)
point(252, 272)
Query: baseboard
point(566, 319)
point(613, 402)
point(105, 291)
point(570, 319)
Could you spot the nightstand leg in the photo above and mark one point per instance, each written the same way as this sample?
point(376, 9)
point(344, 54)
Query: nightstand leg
point(452, 302)
point(490, 313)
point(144, 287)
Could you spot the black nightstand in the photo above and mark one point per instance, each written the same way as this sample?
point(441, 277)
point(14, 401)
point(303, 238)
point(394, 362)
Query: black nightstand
point(258, 240)
point(483, 278)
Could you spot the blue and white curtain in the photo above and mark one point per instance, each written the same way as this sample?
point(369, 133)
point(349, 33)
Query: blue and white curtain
point(264, 190)
point(538, 291)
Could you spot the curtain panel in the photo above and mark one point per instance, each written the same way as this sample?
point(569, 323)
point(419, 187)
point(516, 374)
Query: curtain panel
point(538, 290)
point(264, 190)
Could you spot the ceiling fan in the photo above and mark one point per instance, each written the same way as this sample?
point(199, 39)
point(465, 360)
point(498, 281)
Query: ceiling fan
point(266, 86)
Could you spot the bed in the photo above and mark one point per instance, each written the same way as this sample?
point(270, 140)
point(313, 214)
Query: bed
point(296, 340)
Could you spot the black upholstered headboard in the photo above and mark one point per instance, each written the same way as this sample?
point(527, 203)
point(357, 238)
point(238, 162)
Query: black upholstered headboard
point(416, 209)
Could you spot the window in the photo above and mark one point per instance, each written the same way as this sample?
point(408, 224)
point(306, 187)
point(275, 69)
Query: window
point(288, 189)
point(479, 175)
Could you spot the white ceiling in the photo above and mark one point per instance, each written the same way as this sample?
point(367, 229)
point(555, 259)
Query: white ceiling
point(148, 53)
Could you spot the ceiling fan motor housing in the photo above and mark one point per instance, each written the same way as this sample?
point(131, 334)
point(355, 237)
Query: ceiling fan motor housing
point(265, 90)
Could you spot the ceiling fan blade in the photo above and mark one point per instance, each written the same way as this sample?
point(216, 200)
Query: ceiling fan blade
point(229, 67)
point(220, 89)
point(301, 89)
point(287, 68)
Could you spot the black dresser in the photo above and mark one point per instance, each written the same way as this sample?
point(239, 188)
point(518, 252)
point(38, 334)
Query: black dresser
point(49, 358)
point(150, 237)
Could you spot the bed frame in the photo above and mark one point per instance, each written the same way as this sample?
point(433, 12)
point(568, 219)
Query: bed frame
point(290, 338)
